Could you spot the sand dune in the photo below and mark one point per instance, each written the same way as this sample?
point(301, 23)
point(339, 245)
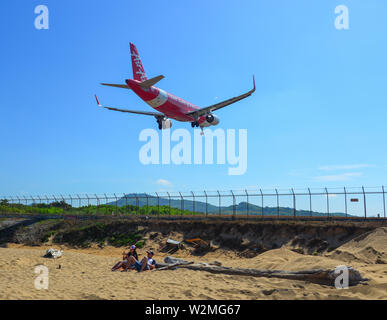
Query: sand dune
point(85, 274)
point(370, 247)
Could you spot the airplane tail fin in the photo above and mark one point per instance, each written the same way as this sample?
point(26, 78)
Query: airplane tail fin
point(138, 69)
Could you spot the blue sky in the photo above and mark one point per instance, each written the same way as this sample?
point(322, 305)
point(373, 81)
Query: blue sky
point(317, 118)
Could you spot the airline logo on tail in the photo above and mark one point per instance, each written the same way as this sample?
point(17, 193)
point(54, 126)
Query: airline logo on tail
point(138, 69)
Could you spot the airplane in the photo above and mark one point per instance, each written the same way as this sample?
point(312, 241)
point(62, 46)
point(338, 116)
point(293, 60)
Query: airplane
point(167, 105)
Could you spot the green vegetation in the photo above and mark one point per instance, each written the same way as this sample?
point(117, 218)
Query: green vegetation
point(84, 233)
point(63, 208)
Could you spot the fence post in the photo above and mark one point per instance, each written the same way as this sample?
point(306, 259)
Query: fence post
point(33, 200)
point(384, 202)
point(326, 191)
point(247, 205)
point(116, 203)
point(294, 204)
point(71, 203)
point(106, 204)
point(233, 205)
point(220, 204)
point(158, 203)
point(25, 199)
point(126, 203)
point(55, 201)
point(278, 207)
point(80, 201)
point(193, 204)
point(147, 200)
point(96, 198)
point(40, 201)
point(182, 204)
point(205, 193)
point(346, 205)
point(365, 205)
point(310, 203)
point(88, 204)
point(262, 210)
point(169, 202)
point(137, 203)
point(64, 202)
point(48, 202)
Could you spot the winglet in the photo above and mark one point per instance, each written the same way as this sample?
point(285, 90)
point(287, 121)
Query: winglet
point(97, 100)
point(254, 82)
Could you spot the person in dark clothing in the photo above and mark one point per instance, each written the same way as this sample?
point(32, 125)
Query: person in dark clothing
point(125, 259)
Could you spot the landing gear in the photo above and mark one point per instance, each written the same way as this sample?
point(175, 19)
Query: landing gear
point(160, 123)
point(196, 124)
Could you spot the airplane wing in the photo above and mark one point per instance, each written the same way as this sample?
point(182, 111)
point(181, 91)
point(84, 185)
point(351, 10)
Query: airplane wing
point(203, 111)
point(155, 114)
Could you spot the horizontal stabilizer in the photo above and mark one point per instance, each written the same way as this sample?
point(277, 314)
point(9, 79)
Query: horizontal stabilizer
point(151, 82)
point(123, 86)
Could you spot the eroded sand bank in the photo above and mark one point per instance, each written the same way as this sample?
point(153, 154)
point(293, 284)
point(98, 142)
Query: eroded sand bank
point(85, 274)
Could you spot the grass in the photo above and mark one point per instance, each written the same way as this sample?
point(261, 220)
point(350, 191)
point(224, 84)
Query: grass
point(101, 210)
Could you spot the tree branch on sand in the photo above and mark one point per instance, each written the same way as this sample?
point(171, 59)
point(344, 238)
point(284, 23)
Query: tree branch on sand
point(319, 276)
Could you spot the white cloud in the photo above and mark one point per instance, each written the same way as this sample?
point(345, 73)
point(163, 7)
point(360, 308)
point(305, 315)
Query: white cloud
point(339, 177)
point(164, 182)
point(345, 167)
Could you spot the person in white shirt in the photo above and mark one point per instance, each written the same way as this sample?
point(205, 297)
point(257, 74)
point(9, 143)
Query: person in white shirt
point(147, 263)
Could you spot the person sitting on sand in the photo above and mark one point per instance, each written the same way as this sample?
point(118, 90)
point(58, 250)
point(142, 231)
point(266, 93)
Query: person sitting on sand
point(125, 259)
point(147, 263)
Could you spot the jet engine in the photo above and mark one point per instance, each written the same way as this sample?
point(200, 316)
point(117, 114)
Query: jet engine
point(165, 124)
point(212, 119)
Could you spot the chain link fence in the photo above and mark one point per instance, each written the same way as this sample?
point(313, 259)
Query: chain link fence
point(343, 202)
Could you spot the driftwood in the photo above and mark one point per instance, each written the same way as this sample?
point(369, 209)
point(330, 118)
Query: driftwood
point(173, 266)
point(319, 276)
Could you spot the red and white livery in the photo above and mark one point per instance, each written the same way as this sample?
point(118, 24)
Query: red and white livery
point(167, 105)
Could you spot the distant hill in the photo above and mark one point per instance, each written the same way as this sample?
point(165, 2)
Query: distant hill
point(200, 206)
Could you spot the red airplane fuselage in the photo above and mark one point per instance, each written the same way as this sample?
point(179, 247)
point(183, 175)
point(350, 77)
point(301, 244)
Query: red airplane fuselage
point(173, 107)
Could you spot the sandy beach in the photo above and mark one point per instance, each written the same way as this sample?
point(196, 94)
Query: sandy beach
point(85, 274)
